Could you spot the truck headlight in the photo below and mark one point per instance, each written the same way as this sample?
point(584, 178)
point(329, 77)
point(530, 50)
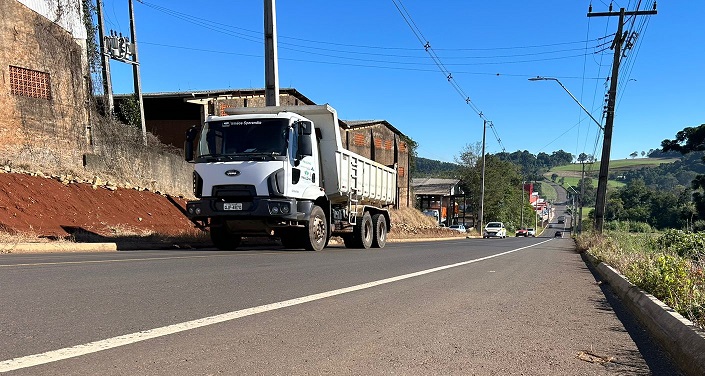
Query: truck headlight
point(279, 208)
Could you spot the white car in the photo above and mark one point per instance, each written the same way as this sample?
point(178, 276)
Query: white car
point(495, 229)
point(530, 232)
point(459, 228)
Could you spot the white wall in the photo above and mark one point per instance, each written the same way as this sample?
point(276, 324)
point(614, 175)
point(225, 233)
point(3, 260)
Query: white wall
point(66, 13)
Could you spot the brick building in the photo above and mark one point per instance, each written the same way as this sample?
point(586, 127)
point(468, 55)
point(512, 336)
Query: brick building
point(44, 75)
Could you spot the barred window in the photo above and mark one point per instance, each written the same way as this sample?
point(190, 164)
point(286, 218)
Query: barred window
point(30, 83)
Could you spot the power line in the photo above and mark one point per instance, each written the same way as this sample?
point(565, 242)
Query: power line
point(255, 37)
point(449, 76)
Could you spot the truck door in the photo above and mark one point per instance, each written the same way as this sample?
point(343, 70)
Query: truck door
point(303, 172)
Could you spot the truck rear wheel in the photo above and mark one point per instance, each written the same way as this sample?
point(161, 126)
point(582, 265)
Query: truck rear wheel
point(317, 230)
point(379, 224)
point(223, 239)
point(363, 232)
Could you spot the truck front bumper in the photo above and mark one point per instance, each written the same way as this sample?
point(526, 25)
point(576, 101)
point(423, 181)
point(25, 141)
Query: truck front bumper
point(259, 208)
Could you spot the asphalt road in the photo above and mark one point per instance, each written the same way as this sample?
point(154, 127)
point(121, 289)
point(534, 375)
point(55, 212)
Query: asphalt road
point(473, 306)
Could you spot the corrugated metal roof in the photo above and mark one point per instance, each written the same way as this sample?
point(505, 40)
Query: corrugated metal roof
point(434, 186)
point(368, 123)
point(220, 92)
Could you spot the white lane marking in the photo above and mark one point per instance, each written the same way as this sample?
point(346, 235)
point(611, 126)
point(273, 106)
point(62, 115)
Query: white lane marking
point(127, 339)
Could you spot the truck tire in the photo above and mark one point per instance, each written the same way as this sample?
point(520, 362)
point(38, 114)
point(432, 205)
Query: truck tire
point(223, 239)
point(379, 224)
point(364, 231)
point(317, 230)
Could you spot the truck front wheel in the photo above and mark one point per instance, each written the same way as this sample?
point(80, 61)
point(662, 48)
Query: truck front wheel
point(317, 230)
point(379, 224)
point(223, 239)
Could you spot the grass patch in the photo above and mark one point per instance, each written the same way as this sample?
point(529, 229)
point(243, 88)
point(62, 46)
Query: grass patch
point(649, 263)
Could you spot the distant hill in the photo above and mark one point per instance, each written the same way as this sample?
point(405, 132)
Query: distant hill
point(619, 168)
point(429, 167)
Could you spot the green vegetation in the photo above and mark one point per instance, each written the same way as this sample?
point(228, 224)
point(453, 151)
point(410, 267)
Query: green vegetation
point(547, 191)
point(669, 266)
point(431, 168)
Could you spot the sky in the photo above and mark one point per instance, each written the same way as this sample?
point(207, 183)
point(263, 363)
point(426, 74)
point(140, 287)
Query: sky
point(366, 58)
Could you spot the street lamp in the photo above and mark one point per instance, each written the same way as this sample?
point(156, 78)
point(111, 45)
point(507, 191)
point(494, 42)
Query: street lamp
point(539, 78)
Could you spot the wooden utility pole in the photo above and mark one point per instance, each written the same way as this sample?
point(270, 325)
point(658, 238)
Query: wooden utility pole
point(271, 64)
point(609, 121)
point(108, 103)
point(136, 72)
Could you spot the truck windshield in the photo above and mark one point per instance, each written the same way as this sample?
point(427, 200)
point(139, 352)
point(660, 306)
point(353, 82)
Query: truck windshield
point(232, 139)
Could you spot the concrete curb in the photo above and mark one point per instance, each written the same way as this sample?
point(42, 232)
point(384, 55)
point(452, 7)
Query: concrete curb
point(56, 247)
point(679, 336)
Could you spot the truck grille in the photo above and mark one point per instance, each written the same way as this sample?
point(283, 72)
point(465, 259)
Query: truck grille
point(241, 192)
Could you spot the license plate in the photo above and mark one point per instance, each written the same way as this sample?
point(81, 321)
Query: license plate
point(232, 206)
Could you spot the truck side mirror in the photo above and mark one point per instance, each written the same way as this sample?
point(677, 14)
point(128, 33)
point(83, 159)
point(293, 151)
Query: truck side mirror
point(305, 147)
point(191, 134)
point(305, 128)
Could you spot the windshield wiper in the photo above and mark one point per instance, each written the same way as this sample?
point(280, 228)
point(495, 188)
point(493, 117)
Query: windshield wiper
point(261, 154)
point(217, 157)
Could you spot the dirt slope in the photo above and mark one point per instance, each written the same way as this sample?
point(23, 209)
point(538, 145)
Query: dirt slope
point(58, 208)
point(46, 207)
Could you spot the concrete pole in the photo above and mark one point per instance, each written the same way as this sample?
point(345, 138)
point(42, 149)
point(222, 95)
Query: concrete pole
point(271, 62)
point(108, 104)
point(136, 72)
point(482, 179)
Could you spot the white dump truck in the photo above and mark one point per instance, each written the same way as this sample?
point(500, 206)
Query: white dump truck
point(283, 172)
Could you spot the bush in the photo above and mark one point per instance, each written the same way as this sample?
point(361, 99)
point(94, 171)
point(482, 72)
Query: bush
point(685, 244)
point(628, 226)
point(664, 266)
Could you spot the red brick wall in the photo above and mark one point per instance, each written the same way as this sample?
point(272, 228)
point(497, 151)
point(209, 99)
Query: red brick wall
point(43, 129)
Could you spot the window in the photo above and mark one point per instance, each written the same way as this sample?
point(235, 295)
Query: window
point(30, 83)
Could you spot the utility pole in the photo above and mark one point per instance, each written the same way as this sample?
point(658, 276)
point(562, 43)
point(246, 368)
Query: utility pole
point(611, 101)
point(580, 199)
point(136, 72)
point(108, 103)
point(522, 205)
point(271, 64)
point(482, 183)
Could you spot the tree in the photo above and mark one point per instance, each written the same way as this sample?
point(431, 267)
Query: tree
point(634, 154)
point(691, 139)
point(502, 185)
point(643, 153)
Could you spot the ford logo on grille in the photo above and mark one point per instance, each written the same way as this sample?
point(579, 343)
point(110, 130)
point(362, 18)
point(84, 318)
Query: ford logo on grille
point(232, 173)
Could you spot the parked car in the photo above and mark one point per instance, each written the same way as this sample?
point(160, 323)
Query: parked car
point(495, 229)
point(459, 228)
point(531, 232)
point(521, 232)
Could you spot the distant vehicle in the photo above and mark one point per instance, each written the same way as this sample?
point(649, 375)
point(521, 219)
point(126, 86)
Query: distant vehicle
point(558, 234)
point(459, 228)
point(495, 229)
point(521, 232)
point(561, 219)
point(531, 232)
